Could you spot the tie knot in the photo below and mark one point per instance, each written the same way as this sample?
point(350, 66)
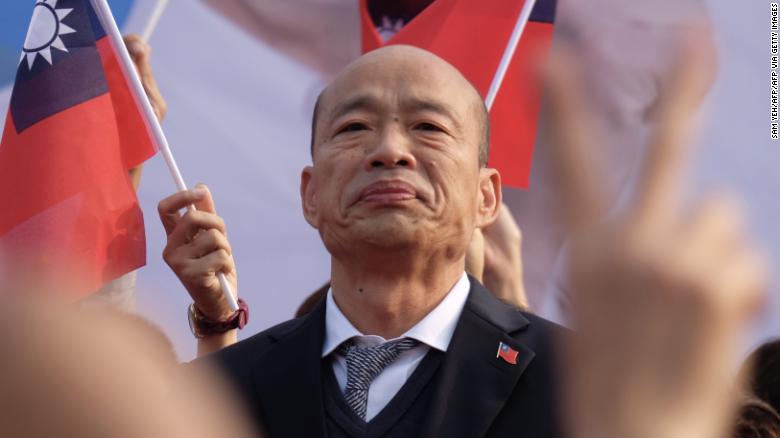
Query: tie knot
point(365, 363)
point(401, 345)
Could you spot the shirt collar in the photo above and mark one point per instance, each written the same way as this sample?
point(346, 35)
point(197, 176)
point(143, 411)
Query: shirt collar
point(434, 330)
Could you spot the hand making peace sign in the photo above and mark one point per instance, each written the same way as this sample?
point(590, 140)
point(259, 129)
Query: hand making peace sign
point(660, 293)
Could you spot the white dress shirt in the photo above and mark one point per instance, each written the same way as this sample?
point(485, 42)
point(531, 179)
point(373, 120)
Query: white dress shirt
point(433, 331)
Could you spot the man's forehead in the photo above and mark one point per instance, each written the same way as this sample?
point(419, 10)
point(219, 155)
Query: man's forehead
point(398, 60)
point(399, 69)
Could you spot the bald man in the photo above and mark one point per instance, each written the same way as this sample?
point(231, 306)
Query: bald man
point(404, 343)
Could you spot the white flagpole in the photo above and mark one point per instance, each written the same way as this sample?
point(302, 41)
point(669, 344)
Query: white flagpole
point(107, 20)
point(154, 18)
point(509, 52)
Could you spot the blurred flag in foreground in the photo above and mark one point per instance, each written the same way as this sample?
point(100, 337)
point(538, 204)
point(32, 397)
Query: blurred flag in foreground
point(472, 36)
point(72, 132)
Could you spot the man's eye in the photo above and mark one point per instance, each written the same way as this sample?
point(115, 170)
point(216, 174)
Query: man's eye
point(354, 126)
point(425, 126)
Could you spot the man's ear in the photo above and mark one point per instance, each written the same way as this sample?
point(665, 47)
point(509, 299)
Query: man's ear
point(309, 196)
point(489, 198)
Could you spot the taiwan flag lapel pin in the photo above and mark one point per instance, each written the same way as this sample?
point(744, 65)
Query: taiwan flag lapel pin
point(507, 353)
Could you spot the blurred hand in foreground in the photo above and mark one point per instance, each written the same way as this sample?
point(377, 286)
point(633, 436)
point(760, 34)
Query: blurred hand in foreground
point(75, 372)
point(660, 295)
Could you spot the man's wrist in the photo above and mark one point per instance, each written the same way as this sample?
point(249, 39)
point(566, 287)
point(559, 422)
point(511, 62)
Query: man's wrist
point(202, 326)
point(213, 343)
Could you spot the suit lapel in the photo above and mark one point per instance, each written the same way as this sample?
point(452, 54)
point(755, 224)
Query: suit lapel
point(474, 384)
point(289, 384)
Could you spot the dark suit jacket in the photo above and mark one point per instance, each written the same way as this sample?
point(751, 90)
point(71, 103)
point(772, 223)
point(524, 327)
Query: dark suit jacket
point(278, 373)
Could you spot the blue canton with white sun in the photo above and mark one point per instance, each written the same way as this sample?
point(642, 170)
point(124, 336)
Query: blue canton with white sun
point(43, 38)
point(46, 28)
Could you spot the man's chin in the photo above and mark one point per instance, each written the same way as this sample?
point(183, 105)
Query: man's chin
point(388, 230)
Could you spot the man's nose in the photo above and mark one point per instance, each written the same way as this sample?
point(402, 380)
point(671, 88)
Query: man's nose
point(394, 149)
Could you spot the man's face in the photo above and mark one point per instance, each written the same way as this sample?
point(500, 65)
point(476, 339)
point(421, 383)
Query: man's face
point(396, 157)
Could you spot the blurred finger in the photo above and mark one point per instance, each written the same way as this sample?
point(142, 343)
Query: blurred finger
point(504, 227)
point(169, 207)
point(716, 228)
point(135, 46)
point(214, 262)
point(206, 203)
point(743, 281)
point(152, 90)
point(140, 52)
point(207, 242)
point(572, 142)
point(192, 223)
point(660, 183)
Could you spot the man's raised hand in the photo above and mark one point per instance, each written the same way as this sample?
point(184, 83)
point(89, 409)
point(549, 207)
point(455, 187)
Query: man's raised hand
point(198, 249)
point(660, 293)
point(140, 52)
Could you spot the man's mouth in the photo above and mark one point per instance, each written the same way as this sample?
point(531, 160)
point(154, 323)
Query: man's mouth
point(387, 192)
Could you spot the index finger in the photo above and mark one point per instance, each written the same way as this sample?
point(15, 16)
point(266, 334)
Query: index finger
point(169, 207)
point(660, 183)
point(136, 46)
point(206, 203)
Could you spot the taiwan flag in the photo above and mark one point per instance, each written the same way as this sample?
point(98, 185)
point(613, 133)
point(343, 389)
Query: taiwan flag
point(73, 131)
point(507, 353)
point(472, 36)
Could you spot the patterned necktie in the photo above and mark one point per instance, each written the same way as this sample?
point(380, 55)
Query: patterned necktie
point(364, 364)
